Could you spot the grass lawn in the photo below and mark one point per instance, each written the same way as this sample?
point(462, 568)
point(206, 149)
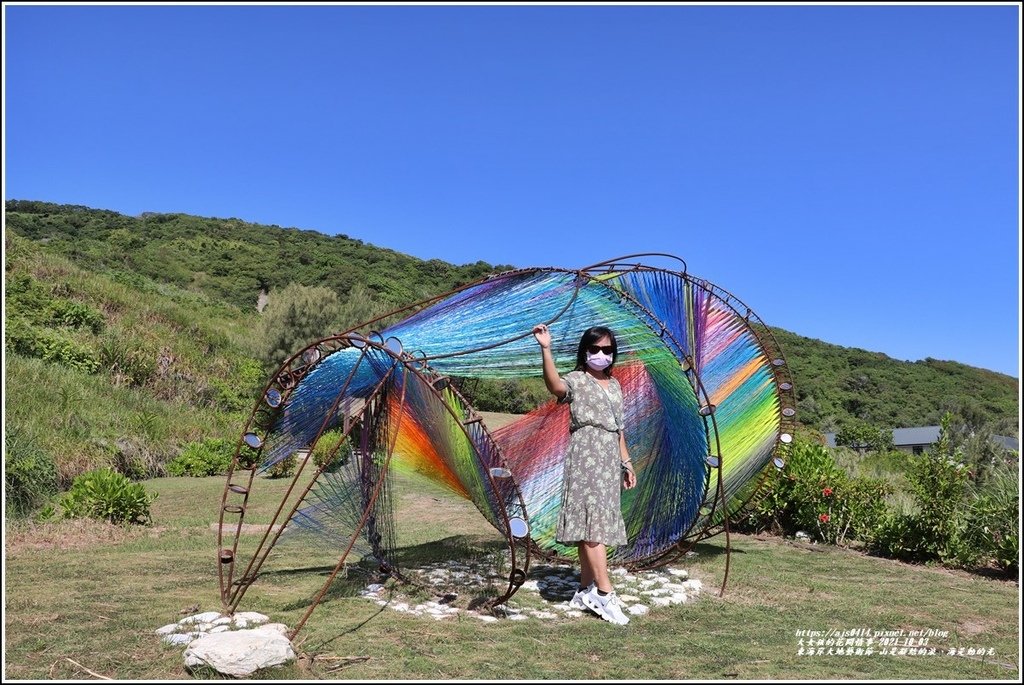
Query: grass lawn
point(94, 594)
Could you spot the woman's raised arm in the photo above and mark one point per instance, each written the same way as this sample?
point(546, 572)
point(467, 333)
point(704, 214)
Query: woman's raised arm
point(556, 386)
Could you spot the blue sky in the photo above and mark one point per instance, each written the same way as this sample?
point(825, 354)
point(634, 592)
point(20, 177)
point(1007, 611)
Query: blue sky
point(850, 172)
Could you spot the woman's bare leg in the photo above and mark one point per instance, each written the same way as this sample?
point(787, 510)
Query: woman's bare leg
point(586, 570)
point(597, 560)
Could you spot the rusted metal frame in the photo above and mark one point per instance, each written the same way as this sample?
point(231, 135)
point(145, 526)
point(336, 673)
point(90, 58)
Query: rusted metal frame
point(494, 488)
point(247, 574)
point(366, 510)
point(220, 524)
point(729, 299)
point(250, 573)
point(616, 260)
point(293, 378)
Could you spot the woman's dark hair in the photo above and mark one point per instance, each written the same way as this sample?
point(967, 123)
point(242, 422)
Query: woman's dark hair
point(590, 337)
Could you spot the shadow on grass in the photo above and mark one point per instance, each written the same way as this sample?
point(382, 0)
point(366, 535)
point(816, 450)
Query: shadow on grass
point(354, 577)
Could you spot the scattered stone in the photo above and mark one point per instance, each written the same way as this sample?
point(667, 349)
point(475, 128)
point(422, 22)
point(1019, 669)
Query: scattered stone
point(661, 601)
point(240, 653)
point(486, 619)
point(639, 609)
point(219, 629)
point(204, 617)
point(679, 572)
point(181, 638)
point(223, 620)
point(279, 628)
point(170, 628)
point(251, 617)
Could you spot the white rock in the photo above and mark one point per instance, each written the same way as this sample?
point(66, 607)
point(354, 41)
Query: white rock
point(676, 587)
point(245, 619)
point(204, 617)
point(661, 601)
point(618, 572)
point(240, 653)
point(278, 628)
point(647, 583)
point(529, 585)
point(374, 587)
point(517, 617)
point(252, 616)
point(486, 619)
point(170, 628)
point(381, 602)
point(546, 615)
point(679, 572)
point(181, 638)
point(575, 613)
point(629, 598)
point(678, 598)
point(223, 620)
point(639, 609)
point(205, 627)
point(219, 629)
point(695, 584)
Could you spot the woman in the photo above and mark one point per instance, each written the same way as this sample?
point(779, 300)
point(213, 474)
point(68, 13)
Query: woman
point(597, 464)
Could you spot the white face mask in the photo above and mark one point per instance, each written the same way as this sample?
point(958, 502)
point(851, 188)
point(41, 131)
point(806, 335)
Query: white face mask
point(598, 361)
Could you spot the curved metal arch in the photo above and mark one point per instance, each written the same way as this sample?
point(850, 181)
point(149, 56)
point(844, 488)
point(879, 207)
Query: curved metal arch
point(517, 575)
point(291, 373)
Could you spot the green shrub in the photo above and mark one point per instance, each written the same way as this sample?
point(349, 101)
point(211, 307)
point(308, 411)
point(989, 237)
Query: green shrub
point(325, 448)
point(75, 315)
point(283, 468)
point(128, 362)
point(813, 494)
point(30, 474)
point(25, 339)
point(987, 530)
point(210, 457)
point(106, 494)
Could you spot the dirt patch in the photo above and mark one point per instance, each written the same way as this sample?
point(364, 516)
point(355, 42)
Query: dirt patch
point(69, 535)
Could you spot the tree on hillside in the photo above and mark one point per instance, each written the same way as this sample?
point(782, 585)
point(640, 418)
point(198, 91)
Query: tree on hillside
point(297, 315)
point(294, 317)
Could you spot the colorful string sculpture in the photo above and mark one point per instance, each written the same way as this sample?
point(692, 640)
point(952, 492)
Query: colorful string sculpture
point(708, 405)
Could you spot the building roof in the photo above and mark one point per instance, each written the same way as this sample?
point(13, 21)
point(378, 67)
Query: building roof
point(926, 435)
point(921, 435)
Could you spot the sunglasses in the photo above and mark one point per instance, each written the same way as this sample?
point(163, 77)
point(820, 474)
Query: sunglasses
point(594, 349)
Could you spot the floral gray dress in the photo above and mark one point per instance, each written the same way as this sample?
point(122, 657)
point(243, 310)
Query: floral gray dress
point(592, 479)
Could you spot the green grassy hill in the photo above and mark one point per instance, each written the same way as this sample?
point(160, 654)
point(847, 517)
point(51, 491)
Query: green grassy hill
point(127, 337)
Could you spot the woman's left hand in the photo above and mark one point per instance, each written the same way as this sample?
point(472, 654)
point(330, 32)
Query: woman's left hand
point(629, 479)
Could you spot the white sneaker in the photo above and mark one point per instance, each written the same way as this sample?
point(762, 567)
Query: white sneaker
point(606, 607)
point(577, 599)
